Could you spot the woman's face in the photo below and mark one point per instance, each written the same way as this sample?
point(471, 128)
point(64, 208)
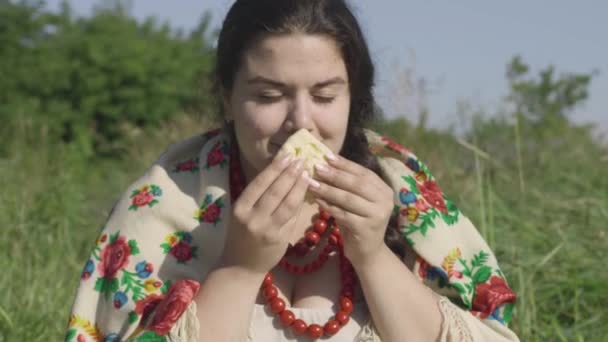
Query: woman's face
point(286, 83)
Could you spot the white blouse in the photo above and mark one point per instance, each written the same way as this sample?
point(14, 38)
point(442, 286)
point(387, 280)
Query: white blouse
point(457, 326)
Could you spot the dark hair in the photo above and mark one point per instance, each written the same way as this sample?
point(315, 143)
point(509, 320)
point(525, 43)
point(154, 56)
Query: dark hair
point(248, 19)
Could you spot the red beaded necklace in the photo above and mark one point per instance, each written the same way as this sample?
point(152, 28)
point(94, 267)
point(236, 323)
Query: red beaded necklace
point(323, 225)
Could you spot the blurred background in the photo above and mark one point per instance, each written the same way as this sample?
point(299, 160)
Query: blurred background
point(507, 103)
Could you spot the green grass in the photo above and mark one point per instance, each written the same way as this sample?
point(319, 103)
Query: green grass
point(538, 195)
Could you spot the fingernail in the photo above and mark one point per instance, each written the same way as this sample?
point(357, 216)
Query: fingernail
point(310, 180)
point(321, 168)
point(285, 160)
point(331, 156)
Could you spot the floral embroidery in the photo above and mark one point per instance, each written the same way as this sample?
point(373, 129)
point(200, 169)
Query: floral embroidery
point(144, 307)
point(432, 273)
point(174, 304)
point(210, 212)
point(151, 285)
point(90, 330)
point(217, 155)
point(422, 204)
point(112, 259)
point(450, 264)
point(146, 195)
point(490, 295)
point(486, 297)
point(88, 270)
point(190, 165)
point(179, 245)
point(394, 146)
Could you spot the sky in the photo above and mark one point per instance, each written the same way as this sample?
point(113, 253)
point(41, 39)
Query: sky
point(460, 49)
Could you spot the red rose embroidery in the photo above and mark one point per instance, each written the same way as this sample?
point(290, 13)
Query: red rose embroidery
point(216, 155)
point(490, 295)
point(114, 257)
point(394, 146)
point(146, 306)
point(81, 338)
point(186, 166)
point(182, 251)
point(142, 198)
point(170, 309)
point(432, 194)
point(211, 214)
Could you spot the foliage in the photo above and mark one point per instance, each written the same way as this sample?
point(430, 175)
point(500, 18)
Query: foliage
point(92, 80)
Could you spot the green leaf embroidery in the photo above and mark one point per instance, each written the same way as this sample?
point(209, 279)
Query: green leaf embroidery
point(479, 259)
point(113, 237)
point(508, 312)
point(114, 285)
point(412, 183)
point(133, 246)
point(133, 317)
point(482, 275)
point(166, 248)
point(70, 335)
point(150, 336)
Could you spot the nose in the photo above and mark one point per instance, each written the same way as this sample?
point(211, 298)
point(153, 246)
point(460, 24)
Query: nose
point(300, 115)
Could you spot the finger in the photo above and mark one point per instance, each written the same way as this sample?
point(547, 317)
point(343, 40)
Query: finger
point(344, 218)
point(347, 165)
point(263, 180)
point(361, 185)
point(276, 192)
point(348, 201)
point(292, 203)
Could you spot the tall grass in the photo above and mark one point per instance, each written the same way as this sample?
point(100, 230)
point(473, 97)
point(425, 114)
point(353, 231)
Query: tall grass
point(539, 196)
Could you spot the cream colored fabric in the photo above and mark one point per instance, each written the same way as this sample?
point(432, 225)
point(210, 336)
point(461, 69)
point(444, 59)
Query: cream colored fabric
point(457, 326)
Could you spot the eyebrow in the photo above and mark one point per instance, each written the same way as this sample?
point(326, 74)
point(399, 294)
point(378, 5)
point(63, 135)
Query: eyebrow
point(264, 80)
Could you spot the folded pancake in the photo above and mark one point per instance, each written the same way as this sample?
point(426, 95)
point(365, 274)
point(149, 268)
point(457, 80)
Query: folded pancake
point(302, 144)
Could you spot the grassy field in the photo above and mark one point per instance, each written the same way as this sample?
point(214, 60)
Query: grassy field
point(539, 195)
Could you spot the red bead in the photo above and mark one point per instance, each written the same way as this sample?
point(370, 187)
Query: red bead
point(342, 317)
point(347, 293)
point(328, 249)
point(287, 318)
point(270, 292)
point(301, 249)
point(324, 214)
point(314, 331)
point(312, 238)
point(268, 280)
point(335, 231)
point(320, 226)
point(333, 240)
point(277, 305)
point(299, 327)
point(346, 305)
point(331, 327)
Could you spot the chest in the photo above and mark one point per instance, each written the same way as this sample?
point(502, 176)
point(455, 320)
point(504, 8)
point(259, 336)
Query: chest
point(319, 289)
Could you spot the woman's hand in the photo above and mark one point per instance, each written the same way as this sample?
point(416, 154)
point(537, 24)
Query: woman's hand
point(263, 217)
point(359, 200)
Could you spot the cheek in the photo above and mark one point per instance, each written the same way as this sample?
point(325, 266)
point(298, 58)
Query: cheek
point(260, 122)
point(332, 122)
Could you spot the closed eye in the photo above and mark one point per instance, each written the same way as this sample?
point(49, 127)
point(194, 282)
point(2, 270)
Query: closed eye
point(324, 99)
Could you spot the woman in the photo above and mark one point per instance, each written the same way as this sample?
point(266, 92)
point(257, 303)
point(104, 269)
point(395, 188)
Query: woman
point(212, 243)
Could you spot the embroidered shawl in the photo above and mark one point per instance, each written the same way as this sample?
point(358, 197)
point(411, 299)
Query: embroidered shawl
point(167, 230)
